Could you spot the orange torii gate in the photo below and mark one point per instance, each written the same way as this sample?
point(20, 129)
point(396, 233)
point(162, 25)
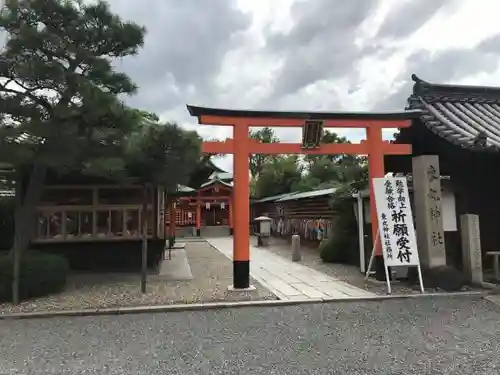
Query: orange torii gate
point(241, 146)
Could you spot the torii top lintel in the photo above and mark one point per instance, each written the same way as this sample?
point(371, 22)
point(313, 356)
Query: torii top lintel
point(234, 117)
point(240, 119)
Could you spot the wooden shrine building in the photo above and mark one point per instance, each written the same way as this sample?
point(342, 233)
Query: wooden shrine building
point(460, 124)
point(308, 214)
point(95, 222)
point(209, 205)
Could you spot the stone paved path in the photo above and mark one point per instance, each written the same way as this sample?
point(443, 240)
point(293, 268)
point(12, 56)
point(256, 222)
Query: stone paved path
point(290, 280)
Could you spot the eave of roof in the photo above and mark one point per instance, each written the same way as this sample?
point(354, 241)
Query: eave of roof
point(212, 165)
point(184, 189)
point(308, 194)
point(221, 176)
point(306, 115)
point(273, 198)
point(468, 116)
point(208, 183)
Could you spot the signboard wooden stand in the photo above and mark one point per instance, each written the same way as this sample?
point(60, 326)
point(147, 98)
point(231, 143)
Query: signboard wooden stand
point(396, 230)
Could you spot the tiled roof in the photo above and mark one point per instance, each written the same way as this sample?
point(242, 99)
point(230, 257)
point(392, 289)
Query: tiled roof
point(184, 189)
point(210, 182)
point(308, 194)
point(221, 176)
point(296, 195)
point(468, 116)
point(273, 198)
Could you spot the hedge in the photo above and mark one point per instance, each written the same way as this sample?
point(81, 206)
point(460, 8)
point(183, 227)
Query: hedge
point(342, 246)
point(41, 274)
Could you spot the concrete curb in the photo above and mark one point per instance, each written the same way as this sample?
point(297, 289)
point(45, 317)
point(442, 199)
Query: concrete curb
point(224, 305)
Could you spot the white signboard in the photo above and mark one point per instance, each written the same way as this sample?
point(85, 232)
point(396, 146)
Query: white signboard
point(395, 220)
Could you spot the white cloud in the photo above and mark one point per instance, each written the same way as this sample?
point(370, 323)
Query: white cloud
point(335, 55)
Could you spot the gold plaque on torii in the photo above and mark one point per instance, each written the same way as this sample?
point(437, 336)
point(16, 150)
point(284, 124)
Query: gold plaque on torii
point(312, 132)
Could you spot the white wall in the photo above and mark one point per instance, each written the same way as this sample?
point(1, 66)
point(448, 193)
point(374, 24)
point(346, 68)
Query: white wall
point(449, 211)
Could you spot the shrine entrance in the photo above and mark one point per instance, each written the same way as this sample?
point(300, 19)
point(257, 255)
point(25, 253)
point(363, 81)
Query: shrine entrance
point(312, 123)
point(213, 216)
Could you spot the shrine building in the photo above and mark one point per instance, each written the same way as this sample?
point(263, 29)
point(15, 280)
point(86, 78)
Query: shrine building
point(461, 125)
point(197, 209)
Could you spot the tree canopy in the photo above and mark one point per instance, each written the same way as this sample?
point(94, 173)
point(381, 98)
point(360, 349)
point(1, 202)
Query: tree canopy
point(162, 154)
point(257, 161)
point(58, 87)
point(61, 105)
point(286, 174)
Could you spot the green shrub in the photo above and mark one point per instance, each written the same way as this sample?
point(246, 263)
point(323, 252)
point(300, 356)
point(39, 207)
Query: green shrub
point(446, 277)
point(339, 248)
point(40, 274)
point(342, 247)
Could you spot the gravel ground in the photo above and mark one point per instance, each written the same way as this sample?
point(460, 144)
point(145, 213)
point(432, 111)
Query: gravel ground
point(345, 272)
point(212, 273)
point(397, 337)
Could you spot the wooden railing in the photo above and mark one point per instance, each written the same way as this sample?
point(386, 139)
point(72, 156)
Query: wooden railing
point(91, 223)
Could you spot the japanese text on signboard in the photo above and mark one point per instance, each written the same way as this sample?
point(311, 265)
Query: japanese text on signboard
point(397, 233)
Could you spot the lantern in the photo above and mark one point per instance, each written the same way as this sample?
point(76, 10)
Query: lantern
point(222, 206)
point(207, 205)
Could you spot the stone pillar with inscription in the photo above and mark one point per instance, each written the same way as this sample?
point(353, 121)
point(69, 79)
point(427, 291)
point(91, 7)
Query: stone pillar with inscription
point(428, 211)
point(471, 248)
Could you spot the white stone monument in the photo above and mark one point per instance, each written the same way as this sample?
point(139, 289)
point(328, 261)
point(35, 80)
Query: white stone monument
point(471, 248)
point(428, 207)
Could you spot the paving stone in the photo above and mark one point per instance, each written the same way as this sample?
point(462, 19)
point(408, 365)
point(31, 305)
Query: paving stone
point(308, 290)
point(284, 288)
point(280, 275)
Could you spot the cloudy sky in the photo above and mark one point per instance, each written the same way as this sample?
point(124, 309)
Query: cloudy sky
point(349, 55)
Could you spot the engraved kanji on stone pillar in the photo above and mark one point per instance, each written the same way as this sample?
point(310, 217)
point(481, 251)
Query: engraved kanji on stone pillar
point(427, 199)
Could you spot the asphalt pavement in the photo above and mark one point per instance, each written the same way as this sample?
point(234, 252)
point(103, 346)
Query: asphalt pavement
point(413, 336)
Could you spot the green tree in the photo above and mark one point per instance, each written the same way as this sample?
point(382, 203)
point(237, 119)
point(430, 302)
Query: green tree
point(329, 137)
point(59, 95)
point(279, 176)
point(159, 155)
point(257, 161)
point(324, 171)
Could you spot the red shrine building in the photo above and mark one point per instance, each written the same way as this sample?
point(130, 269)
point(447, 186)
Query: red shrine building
point(190, 209)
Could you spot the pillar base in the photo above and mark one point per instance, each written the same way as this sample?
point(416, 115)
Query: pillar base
point(241, 274)
point(231, 231)
point(232, 289)
point(379, 268)
point(198, 232)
